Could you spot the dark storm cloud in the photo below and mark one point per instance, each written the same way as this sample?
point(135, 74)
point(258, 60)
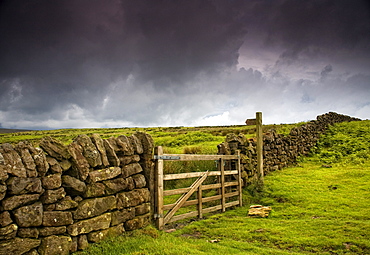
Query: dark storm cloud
point(95, 63)
point(70, 51)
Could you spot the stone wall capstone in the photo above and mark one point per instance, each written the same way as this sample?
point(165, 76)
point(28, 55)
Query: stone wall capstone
point(58, 198)
point(278, 150)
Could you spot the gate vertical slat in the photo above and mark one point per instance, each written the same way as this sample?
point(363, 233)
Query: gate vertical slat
point(159, 189)
point(200, 202)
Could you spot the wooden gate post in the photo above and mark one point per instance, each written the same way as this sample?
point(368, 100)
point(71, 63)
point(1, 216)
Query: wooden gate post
point(259, 147)
point(158, 214)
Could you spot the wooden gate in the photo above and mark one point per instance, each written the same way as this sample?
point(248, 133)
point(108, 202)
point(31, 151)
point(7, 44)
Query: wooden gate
point(228, 187)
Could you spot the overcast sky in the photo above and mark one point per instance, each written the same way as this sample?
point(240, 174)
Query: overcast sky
point(112, 63)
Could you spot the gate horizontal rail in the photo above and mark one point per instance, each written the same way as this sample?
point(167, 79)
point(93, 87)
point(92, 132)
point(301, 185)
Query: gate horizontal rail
point(197, 187)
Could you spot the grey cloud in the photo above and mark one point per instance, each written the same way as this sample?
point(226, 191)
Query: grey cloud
point(325, 71)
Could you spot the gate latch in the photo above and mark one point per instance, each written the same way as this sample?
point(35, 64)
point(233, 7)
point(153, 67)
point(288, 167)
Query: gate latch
point(166, 157)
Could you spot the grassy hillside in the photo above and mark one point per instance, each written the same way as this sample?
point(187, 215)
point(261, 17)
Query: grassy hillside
point(316, 210)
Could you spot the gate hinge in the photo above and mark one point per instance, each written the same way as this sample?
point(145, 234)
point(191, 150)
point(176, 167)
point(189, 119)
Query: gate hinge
point(157, 216)
point(166, 157)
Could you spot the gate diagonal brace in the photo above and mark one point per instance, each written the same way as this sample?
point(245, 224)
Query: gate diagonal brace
point(184, 197)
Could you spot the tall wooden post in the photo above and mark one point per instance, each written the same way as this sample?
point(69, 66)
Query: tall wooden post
point(159, 188)
point(259, 147)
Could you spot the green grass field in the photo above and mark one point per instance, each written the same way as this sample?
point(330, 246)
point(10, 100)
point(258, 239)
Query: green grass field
point(316, 210)
point(173, 139)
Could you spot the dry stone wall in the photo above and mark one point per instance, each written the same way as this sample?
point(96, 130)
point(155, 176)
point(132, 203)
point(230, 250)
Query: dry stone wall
point(278, 150)
point(58, 198)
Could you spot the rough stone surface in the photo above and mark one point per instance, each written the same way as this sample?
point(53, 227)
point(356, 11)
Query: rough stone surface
point(136, 223)
point(8, 232)
point(5, 219)
point(114, 186)
point(98, 236)
point(147, 142)
point(3, 172)
point(104, 174)
point(53, 181)
point(90, 225)
point(23, 150)
point(125, 160)
point(55, 245)
point(142, 209)
point(90, 152)
point(82, 242)
point(136, 144)
point(57, 218)
point(18, 246)
point(3, 189)
point(94, 190)
point(54, 148)
point(13, 164)
point(131, 169)
point(19, 186)
point(39, 158)
point(124, 145)
point(145, 194)
point(32, 252)
point(132, 198)
point(49, 231)
point(73, 186)
point(52, 196)
point(28, 232)
point(29, 216)
point(92, 207)
point(49, 207)
point(2, 161)
point(66, 204)
point(139, 181)
point(122, 216)
point(74, 245)
point(65, 164)
point(78, 199)
point(130, 183)
point(111, 154)
point(13, 202)
point(54, 165)
point(80, 166)
point(96, 139)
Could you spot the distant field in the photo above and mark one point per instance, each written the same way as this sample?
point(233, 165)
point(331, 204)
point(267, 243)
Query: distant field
point(173, 139)
point(7, 130)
